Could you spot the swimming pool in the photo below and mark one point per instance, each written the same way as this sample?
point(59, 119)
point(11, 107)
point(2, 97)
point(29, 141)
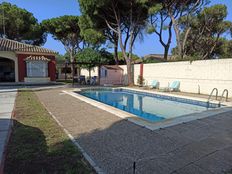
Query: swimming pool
point(148, 106)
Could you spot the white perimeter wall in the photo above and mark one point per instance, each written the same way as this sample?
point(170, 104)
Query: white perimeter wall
point(197, 76)
point(85, 72)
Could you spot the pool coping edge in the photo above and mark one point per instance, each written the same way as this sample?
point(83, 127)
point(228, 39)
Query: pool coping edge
point(143, 123)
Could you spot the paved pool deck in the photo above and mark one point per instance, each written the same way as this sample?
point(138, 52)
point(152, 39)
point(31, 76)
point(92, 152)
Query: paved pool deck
point(7, 101)
point(201, 146)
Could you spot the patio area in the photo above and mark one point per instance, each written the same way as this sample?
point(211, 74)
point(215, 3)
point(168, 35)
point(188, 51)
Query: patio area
point(200, 146)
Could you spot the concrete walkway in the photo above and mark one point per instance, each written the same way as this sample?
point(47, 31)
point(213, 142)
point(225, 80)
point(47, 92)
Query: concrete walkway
point(198, 147)
point(7, 101)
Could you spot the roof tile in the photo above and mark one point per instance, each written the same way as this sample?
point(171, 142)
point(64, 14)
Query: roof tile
point(11, 45)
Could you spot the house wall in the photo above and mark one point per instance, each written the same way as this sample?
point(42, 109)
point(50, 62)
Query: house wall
point(52, 68)
point(11, 56)
point(22, 67)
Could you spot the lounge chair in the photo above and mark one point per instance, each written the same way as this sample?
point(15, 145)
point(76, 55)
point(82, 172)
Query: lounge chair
point(175, 86)
point(93, 80)
point(154, 84)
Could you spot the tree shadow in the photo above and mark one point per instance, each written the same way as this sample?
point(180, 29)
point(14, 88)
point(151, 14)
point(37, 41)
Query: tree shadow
point(28, 153)
point(116, 147)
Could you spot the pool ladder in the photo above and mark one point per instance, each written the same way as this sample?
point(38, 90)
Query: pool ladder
point(211, 94)
point(225, 91)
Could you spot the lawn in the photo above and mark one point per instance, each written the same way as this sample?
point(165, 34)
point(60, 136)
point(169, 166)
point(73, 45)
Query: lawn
point(38, 144)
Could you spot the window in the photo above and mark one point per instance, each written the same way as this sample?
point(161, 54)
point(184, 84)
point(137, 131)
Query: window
point(37, 69)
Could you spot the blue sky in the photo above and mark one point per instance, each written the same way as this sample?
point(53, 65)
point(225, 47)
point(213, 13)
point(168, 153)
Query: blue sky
point(45, 9)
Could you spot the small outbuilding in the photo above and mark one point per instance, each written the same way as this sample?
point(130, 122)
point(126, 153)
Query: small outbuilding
point(111, 75)
point(20, 62)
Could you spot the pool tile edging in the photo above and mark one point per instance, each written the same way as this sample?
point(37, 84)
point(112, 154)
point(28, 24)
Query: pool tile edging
point(138, 121)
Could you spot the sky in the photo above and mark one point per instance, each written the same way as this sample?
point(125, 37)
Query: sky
point(45, 9)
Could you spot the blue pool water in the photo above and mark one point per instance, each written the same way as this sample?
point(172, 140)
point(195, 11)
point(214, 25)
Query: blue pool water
point(151, 107)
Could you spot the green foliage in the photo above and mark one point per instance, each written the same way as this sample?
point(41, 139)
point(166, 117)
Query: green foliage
point(90, 32)
point(20, 25)
point(122, 59)
point(151, 29)
point(60, 59)
point(64, 29)
point(93, 58)
point(223, 48)
point(206, 30)
point(153, 10)
point(140, 81)
point(38, 144)
point(120, 18)
point(152, 60)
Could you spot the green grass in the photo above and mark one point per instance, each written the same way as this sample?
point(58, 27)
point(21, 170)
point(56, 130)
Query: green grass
point(38, 144)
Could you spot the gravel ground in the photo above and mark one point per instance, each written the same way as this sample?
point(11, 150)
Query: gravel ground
point(201, 146)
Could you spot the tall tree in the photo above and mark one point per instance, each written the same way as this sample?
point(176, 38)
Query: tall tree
point(160, 24)
point(18, 24)
point(223, 48)
point(95, 29)
point(66, 30)
point(90, 58)
point(124, 18)
point(207, 28)
point(177, 9)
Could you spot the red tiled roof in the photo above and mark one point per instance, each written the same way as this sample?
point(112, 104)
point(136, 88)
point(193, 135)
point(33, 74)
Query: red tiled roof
point(11, 45)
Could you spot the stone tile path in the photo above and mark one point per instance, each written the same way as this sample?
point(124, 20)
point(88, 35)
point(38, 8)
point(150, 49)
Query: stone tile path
point(7, 100)
point(198, 147)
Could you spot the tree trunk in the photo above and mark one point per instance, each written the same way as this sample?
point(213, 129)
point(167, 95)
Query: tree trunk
point(129, 73)
point(116, 54)
point(178, 39)
point(72, 65)
point(116, 48)
point(185, 41)
point(89, 73)
point(78, 71)
point(166, 49)
point(128, 60)
point(99, 75)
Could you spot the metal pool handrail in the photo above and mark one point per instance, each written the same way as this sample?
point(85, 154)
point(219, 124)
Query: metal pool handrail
point(227, 96)
point(211, 94)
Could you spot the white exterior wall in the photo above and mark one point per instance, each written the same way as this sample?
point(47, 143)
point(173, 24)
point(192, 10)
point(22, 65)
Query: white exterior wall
point(85, 72)
point(199, 76)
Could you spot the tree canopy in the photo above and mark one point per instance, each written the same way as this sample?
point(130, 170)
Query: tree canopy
point(90, 58)
point(19, 24)
point(170, 12)
point(67, 31)
point(206, 31)
point(94, 57)
point(122, 18)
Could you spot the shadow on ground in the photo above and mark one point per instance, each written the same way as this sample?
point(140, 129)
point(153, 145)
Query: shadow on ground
point(193, 147)
point(28, 153)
